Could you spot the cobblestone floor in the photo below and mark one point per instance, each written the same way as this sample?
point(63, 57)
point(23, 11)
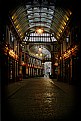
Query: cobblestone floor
point(39, 100)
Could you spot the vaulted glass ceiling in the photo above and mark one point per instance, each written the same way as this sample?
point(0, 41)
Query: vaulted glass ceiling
point(26, 18)
point(32, 15)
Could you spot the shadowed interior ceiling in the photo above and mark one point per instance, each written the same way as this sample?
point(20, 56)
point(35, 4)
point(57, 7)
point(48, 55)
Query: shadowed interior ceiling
point(47, 15)
point(52, 16)
point(29, 16)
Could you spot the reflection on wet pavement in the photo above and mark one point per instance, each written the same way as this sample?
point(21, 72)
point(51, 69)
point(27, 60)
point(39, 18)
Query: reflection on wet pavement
point(39, 100)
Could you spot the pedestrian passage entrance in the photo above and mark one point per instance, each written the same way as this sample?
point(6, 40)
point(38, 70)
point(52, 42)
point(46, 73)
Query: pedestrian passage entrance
point(47, 69)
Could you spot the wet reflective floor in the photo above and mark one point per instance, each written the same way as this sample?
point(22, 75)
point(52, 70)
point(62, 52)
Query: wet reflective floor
point(39, 100)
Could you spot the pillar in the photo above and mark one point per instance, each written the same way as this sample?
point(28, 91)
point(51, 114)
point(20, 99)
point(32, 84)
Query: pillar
point(53, 60)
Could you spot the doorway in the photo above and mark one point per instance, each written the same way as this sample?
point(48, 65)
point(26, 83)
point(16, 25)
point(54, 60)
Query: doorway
point(47, 69)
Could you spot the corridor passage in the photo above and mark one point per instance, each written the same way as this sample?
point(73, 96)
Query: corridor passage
point(39, 99)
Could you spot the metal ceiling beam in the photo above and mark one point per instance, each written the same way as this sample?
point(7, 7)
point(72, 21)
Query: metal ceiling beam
point(32, 6)
point(22, 19)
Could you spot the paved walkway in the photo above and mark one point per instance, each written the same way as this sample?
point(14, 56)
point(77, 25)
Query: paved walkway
point(40, 99)
point(68, 88)
point(14, 87)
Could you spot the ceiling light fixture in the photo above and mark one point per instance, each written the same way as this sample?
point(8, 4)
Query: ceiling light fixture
point(39, 30)
point(40, 49)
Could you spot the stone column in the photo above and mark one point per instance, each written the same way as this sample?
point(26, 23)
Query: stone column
point(52, 60)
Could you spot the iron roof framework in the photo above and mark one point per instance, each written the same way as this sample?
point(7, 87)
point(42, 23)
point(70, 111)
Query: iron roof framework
point(29, 16)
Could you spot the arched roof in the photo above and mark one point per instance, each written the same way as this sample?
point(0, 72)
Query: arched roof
point(28, 16)
point(52, 15)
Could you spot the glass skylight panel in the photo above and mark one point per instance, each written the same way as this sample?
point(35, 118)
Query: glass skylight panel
point(39, 39)
point(28, 11)
point(53, 39)
point(48, 26)
point(43, 9)
point(48, 20)
point(35, 8)
point(49, 39)
point(51, 12)
point(36, 14)
point(50, 16)
point(47, 34)
point(30, 39)
point(30, 21)
point(26, 38)
point(43, 19)
point(43, 34)
point(34, 39)
point(32, 24)
point(31, 34)
point(42, 24)
point(43, 14)
point(45, 37)
point(42, 39)
point(36, 19)
point(29, 17)
point(37, 24)
point(34, 34)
